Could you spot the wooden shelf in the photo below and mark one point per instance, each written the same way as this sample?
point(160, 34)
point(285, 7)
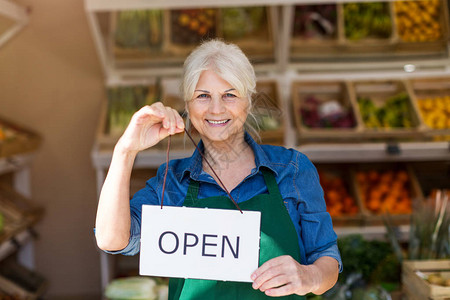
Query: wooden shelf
point(12, 244)
point(15, 163)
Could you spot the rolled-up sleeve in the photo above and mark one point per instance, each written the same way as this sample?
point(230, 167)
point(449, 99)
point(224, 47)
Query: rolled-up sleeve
point(318, 236)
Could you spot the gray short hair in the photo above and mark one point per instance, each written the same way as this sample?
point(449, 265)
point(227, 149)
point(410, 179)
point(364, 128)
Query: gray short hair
point(229, 62)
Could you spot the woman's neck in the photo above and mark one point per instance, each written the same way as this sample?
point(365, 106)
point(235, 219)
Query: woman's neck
point(225, 154)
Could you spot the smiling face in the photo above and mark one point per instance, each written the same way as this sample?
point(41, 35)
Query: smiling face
point(217, 110)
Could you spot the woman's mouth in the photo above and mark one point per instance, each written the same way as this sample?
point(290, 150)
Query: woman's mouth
point(217, 122)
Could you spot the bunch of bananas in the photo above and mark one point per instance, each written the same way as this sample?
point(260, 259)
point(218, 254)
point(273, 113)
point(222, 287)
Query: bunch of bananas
point(418, 21)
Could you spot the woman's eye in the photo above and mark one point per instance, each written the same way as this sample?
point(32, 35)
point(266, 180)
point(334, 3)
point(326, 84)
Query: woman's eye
point(203, 96)
point(229, 96)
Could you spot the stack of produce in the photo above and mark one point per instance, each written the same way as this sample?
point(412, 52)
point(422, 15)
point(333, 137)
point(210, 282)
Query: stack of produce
point(435, 111)
point(315, 21)
point(367, 20)
point(139, 29)
point(316, 113)
point(339, 201)
point(394, 113)
point(137, 288)
point(418, 21)
point(239, 22)
point(123, 102)
point(7, 133)
point(385, 191)
point(191, 26)
point(438, 279)
point(266, 110)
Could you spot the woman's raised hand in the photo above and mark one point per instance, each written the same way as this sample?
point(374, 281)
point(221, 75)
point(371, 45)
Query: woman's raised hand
point(150, 125)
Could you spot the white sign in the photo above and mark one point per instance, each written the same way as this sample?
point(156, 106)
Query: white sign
point(199, 243)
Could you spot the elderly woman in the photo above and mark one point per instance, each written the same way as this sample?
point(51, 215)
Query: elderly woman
point(298, 250)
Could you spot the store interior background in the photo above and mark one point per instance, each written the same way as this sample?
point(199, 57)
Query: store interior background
point(51, 81)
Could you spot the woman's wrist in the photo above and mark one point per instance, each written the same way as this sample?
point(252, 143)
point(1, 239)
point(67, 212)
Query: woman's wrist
point(123, 150)
point(316, 275)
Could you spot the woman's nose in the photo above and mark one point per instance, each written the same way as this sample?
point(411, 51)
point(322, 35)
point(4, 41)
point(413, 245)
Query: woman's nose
point(216, 105)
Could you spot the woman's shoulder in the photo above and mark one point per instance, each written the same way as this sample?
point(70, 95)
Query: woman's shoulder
point(280, 154)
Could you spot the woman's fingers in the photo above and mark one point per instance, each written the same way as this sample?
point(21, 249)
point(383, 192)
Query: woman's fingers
point(284, 290)
point(266, 271)
point(282, 276)
point(169, 118)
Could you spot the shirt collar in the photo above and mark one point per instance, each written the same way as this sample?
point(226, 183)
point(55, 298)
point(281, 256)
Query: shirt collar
point(194, 167)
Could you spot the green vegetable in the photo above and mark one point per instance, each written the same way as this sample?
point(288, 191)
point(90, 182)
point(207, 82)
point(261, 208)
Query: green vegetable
point(123, 102)
point(139, 29)
point(239, 22)
point(375, 260)
point(395, 113)
point(363, 20)
point(132, 288)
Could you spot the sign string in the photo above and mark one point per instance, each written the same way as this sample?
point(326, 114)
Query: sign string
point(203, 156)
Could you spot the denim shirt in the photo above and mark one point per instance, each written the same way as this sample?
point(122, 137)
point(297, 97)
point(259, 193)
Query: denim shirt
point(297, 180)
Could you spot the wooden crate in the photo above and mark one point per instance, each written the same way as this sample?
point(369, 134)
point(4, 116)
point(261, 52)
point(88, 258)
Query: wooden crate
point(416, 288)
point(18, 211)
point(331, 172)
point(379, 92)
point(371, 218)
point(258, 44)
point(369, 43)
point(435, 46)
point(324, 91)
point(314, 45)
point(25, 140)
point(267, 103)
point(431, 88)
point(107, 139)
point(17, 280)
point(129, 55)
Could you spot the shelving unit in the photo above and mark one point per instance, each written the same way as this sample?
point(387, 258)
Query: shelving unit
point(284, 70)
point(21, 239)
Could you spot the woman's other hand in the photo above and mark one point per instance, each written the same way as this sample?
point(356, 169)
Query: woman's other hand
point(283, 276)
point(150, 125)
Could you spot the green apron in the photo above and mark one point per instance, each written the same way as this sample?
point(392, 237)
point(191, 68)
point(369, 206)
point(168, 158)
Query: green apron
point(278, 237)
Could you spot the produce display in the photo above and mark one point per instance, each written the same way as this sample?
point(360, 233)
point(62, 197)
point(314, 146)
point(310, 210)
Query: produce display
point(395, 112)
point(339, 201)
point(265, 107)
point(435, 111)
point(316, 113)
point(123, 102)
point(191, 26)
point(7, 133)
point(438, 279)
point(418, 21)
point(315, 21)
point(367, 20)
point(239, 22)
point(139, 29)
point(385, 191)
point(137, 288)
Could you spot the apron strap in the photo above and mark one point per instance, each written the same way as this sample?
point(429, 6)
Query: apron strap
point(192, 192)
point(271, 183)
